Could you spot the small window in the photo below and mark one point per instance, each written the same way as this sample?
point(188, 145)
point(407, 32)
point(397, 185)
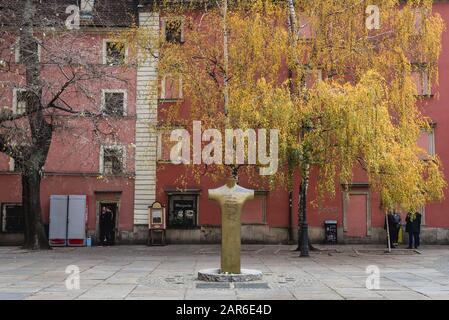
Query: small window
point(20, 101)
point(115, 53)
point(427, 141)
point(12, 218)
point(112, 160)
point(420, 75)
point(173, 30)
point(114, 102)
point(86, 8)
point(171, 87)
point(419, 16)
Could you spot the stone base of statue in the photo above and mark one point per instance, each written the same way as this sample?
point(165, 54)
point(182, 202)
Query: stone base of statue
point(231, 198)
point(214, 275)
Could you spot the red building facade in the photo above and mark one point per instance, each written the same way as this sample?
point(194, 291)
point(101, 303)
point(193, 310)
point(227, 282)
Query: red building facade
point(131, 171)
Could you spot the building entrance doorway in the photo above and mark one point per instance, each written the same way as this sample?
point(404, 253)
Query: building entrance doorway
point(107, 223)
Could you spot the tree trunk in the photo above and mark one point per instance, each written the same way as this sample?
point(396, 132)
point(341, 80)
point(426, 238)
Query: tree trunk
point(35, 237)
point(35, 153)
point(303, 227)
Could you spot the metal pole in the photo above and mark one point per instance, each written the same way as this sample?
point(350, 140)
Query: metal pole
point(388, 231)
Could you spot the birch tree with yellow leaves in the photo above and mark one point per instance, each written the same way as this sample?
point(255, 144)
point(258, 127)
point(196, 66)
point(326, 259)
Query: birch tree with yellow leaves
point(336, 78)
point(364, 111)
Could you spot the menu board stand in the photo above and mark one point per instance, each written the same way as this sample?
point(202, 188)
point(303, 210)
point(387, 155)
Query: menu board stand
point(156, 225)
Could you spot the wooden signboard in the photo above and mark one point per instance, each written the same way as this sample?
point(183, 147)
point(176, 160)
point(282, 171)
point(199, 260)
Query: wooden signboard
point(156, 224)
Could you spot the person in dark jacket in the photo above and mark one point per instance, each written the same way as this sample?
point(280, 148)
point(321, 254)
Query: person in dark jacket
point(413, 227)
point(394, 220)
point(106, 226)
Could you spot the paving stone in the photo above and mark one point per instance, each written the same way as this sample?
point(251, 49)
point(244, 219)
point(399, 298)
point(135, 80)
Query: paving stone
point(251, 285)
point(217, 285)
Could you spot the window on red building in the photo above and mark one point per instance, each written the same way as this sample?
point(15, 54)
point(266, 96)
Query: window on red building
point(86, 9)
point(114, 102)
point(426, 141)
point(112, 160)
point(20, 101)
point(12, 219)
point(419, 15)
point(421, 79)
point(173, 29)
point(114, 53)
point(171, 87)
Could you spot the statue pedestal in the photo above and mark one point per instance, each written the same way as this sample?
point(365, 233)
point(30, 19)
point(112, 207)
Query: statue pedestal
point(231, 198)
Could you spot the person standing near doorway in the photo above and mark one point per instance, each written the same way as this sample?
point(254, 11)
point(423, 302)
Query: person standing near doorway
point(106, 226)
point(413, 227)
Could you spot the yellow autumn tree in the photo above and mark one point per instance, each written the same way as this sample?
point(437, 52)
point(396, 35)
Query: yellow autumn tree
point(334, 78)
point(364, 111)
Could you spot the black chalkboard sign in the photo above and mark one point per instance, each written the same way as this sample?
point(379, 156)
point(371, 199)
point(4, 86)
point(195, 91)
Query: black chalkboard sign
point(330, 228)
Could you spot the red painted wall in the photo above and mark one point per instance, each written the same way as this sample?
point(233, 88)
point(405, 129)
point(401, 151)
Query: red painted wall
point(72, 165)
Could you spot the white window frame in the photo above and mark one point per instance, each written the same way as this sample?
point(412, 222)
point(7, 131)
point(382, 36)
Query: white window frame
point(424, 78)
point(14, 99)
point(17, 51)
point(163, 27)
point(3, 214)
point(180, 93)
point(112, 147)
point(125, 99)
point(431, 136)
point(105, 52)
point(86, 8)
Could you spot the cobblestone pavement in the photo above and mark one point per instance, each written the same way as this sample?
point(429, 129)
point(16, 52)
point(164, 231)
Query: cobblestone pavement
point(140, 272)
